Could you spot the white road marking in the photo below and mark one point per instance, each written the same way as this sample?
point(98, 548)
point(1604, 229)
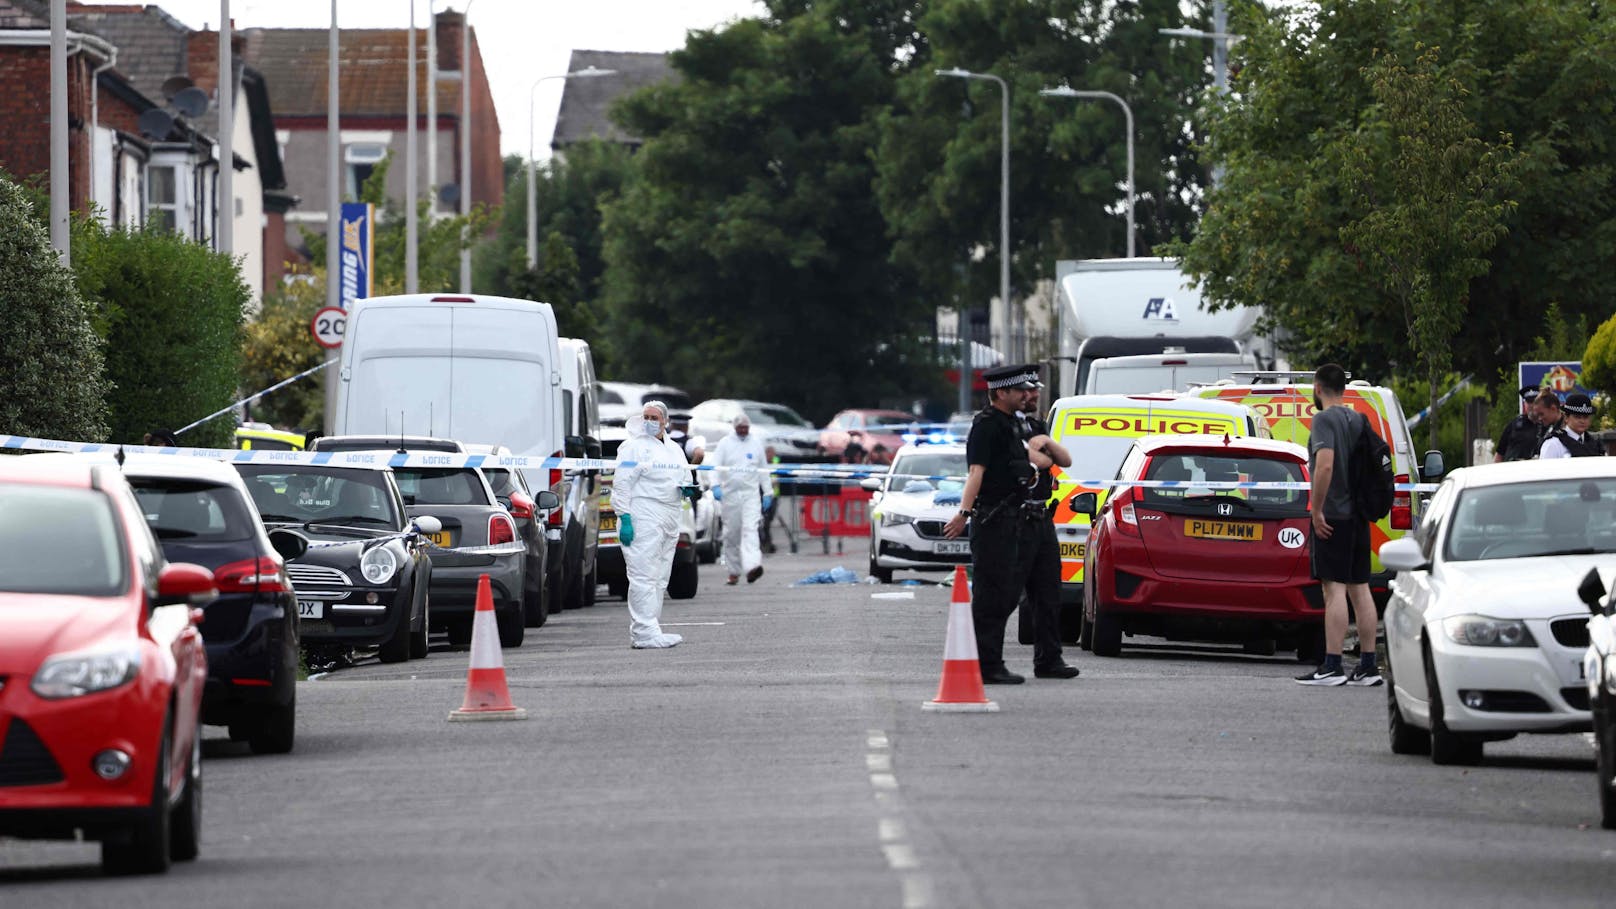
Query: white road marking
point(878, 762)
point(894, 836)
point(883, 781)
point(900, 857)
point(877, 739)
point(890, 829)
point(916, 891)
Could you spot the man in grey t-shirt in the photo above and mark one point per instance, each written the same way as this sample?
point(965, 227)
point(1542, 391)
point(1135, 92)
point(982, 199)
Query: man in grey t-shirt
point(1340, 546)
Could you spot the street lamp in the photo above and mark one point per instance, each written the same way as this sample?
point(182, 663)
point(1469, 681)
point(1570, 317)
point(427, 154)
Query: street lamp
point(412, 230)
point(1220, 38)
point(1066, 91)
point(588, 72)
point(1004, 211)
point(465, 142)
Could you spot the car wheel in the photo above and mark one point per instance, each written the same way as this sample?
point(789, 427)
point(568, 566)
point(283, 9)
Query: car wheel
point(396, 649)
point(1447, 748)
point(707, 553)
point(143, 847)
point(1405, 738)
point(185, 826)
point(617, 589)
point(511, 628)
point(418, 639)
point(884, 575)
point(276, 729)
point(1024, 630)
point(534, 614)
point(682, 583)
point(1310, 646)
point(591, 587)
point(1085, 631)
point(1605, 762)
point(555, 591)
point(1107, 633)
point(1071, 622)
point(459, 632)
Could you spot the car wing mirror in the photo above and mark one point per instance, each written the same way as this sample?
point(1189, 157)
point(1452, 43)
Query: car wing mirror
point(1403, 554)
point(592, 447)
point(1591, 591)
point(1084, 503)
point(546, 501)
point(873, 484)
point(1433, 468)
point(427, 524)
point(289, 545)
point(182, 582)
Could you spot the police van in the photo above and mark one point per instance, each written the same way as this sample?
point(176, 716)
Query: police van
point(1098, 431)
point(1284, 401)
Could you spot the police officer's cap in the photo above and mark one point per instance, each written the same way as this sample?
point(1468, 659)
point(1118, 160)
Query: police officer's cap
point(1578, 405)
point(1529, 393)
point(1022, 376)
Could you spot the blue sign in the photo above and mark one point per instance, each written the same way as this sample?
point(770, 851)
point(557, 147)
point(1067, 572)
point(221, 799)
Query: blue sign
point(1565, 378)
point(355, 260)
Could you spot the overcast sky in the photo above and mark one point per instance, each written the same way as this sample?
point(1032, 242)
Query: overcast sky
point(521, 40)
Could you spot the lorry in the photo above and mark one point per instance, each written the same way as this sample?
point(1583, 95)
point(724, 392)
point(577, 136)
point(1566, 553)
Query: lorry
point(1130, 307)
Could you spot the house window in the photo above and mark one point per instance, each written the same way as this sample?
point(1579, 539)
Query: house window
point(362, 158)
point(162, 198)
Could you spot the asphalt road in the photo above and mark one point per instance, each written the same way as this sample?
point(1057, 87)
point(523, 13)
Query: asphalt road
point(780, 757)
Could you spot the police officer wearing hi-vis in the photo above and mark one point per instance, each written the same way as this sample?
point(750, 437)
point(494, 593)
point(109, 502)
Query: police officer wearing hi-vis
point(1572, 440)
point(1003, 533)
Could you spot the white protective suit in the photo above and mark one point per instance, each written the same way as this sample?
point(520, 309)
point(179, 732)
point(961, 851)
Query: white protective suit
point(651, 497)
point(743, 476)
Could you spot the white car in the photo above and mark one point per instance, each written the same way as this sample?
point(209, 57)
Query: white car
point(791, 436)
point(1599, 668)
point(1482, 642)
point(906, 521)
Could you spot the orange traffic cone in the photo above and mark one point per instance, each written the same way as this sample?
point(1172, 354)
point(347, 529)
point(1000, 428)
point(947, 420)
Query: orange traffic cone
point(961, 691)
point(487, 697)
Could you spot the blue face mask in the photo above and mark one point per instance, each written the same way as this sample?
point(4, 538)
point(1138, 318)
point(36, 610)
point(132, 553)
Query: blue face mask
point(651, 428)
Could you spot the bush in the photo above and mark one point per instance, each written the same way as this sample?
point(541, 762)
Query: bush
point(173, 312)
point(52, 374)
point(278, 346)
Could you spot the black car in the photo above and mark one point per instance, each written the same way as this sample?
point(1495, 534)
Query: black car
point(363, 581)
point(201, 513)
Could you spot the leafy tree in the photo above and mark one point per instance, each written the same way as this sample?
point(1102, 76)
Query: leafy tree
point(52, 370)
point(1599, 359)
point(173, 311)
point(277, 346)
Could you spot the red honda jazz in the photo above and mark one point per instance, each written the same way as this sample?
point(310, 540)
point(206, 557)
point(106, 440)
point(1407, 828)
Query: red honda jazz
point(101, 669)
point(1196, 562)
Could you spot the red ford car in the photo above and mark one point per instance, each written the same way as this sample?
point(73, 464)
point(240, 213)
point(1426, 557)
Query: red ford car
point(1191, 563)
point(101, 669)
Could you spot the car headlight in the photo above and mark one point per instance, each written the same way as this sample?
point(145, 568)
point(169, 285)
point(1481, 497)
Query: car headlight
point(72, 675)
point(1481, 631)
point(378, 564)
point(888, 519)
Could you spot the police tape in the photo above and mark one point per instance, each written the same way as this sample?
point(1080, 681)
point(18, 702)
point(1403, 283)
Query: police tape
point(822, 473)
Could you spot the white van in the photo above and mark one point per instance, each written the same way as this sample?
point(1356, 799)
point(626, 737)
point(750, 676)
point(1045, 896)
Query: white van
point(1170, 370)
point(578, 518)
point(472, 368)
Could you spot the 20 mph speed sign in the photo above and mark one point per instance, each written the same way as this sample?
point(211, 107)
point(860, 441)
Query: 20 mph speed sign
point(328, 326)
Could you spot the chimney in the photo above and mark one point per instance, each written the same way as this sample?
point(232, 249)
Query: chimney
point(450, 24)
point(202, 59)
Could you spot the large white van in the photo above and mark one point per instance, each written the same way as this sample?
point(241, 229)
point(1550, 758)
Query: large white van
point(1171, 370)
point(473, 368)
point(578, 518)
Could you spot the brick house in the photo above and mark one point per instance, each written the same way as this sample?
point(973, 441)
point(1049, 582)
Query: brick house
point(586, 103)
point(373, 108)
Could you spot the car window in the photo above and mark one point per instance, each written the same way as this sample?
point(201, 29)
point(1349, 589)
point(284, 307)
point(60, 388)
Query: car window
point(503, 481)
point(1518, 520)
point(569, 416)
point(58, 540)
point(299, 493)
point(1432, 519)
point(776, 415)
point(1095, 457)
point(258, 444)
point(440, 486)
point(1192, 468)
point(888, 419)
point(607, 396)
point(676, 400)
point(189, 510)
point(922, 464)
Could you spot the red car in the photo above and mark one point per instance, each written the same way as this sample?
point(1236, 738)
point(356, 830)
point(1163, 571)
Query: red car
point(1191, 563)
point(868, 428)
point(101, 669)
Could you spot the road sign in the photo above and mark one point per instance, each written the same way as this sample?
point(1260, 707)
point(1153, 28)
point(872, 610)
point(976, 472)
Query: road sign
point(328, 326)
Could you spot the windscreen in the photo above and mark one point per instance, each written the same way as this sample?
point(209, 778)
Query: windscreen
point(923, 464)
point(192, 511)
point(676, 400)
point(775, 415)
point(440, 486)
point(888, 419)
point(60, 541)
point(301, 493)
point(503, 481)
point(1520, 520)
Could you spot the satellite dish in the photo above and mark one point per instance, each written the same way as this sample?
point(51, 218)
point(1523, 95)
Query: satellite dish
point(156, 124)
point(173, 85)
point(191, 102)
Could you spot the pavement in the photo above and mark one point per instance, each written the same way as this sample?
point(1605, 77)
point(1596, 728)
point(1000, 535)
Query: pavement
point(780, 757)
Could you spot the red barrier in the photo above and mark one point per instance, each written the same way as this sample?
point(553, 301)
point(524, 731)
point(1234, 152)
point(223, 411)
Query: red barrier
point(846, 514)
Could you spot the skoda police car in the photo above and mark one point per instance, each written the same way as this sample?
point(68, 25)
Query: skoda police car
point(909, 507)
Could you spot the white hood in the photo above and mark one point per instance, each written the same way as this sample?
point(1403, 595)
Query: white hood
point(1534, 588)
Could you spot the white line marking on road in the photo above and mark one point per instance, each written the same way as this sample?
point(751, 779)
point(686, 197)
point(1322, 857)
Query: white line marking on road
point(878, 762)
point(877, 739)
point(883, 781)
point(900, 857)
point(916, 891)
point(899, 853)
point(890, 829)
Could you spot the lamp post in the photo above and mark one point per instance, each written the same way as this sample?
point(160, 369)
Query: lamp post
point(226, 202)
point(1004, 212)
point(432, 104)
point(412, 230)
point(465, 142)
point(1066, 91)
point(1221, 39)
point(588, 72)
point(60, 236)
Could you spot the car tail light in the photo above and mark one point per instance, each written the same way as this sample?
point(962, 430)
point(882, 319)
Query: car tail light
point(1402, 506)
point(261, 575)
point(555, 517)
point(500, 530)
point(447, 299)
point(1122, 507)
point(521, 507)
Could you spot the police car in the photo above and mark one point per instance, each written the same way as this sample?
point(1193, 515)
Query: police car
point(910, 505)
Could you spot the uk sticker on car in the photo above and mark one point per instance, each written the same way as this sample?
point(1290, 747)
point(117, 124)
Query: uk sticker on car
point(1292, 538)
point(311, 609)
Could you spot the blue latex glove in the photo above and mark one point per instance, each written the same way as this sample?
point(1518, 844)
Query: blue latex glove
point(767, 502)
point(625, 530)
point(718, 493)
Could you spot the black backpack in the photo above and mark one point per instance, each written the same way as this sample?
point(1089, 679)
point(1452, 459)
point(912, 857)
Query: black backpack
point(1372, 479)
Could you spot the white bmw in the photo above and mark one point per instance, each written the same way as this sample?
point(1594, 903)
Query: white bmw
point(1485, 635)
point(906, 520)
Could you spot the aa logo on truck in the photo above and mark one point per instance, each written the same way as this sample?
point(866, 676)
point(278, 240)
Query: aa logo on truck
point(1160, 309)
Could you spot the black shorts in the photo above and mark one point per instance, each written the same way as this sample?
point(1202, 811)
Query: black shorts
point(1344, 557)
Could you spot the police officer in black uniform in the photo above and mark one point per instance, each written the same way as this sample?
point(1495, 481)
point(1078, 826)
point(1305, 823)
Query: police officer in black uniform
point(1043, 555)
point(1519, 440)
point(1573, 439)
point(999, 483)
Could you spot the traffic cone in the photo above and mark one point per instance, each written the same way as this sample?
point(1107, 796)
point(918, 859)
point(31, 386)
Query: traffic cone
point(487, 696)
point(960, 690)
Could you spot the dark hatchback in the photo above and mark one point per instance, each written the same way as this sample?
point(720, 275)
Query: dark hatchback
point(201, 513)
point(363, 581)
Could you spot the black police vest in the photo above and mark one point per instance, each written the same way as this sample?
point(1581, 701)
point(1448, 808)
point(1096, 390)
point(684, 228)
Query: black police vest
point(1587, 448)
point(1521, 440)
point(1008, 480)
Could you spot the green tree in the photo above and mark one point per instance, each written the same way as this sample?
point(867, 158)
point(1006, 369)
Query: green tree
point(52, 371)
point(173, 311)
point(277, 346)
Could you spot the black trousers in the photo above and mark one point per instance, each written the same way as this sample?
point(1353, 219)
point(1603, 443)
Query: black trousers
point(1002, 548)
point(1043, 592)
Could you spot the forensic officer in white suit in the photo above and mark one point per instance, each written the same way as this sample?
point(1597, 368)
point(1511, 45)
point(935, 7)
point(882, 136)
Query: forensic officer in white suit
point(646, 497)
point(743, 486)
